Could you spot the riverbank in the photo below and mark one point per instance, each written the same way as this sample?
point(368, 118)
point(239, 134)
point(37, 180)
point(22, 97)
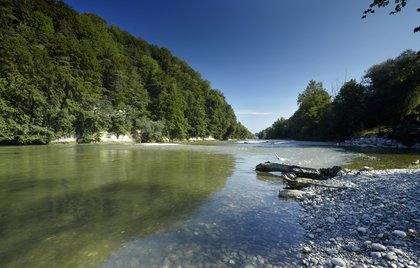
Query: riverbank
point(374, 222)
point(373, 141)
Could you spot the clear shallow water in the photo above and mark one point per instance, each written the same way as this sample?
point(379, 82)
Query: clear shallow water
point(139, 206)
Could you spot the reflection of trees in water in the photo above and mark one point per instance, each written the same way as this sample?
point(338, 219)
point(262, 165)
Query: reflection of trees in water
point(65, 206)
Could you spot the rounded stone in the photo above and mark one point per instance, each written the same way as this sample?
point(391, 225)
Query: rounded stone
point(306, 250)
point(362, 230)
point(338, 262)
point(399, 233)
point(285, 193)
point(378, 247)
point(391, 256)
point(375, 254)
point(332, 251)
point(354, 248)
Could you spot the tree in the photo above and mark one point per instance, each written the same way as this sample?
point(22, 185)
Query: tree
point(171, 107)
point(399, 5)
point(313, 103)
point(349, 108)
point(393, 89)
point(64, 73)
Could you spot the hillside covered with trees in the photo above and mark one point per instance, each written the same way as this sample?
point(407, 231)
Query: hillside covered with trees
point(64, 73)
point(387, 101)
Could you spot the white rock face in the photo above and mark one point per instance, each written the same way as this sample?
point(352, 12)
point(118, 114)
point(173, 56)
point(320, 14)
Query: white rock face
point(66, 139)
point(112, 137)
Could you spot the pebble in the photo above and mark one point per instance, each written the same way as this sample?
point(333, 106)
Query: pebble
point(376, 254)
point(306, 250)
point(398, 251)
point(399, 233)
point(332, 251)
point(338, 262)
point(330, 220)
point(375, 220)
point(354, 248)
point(391, 256)
point(378, 247)
point(362, 230)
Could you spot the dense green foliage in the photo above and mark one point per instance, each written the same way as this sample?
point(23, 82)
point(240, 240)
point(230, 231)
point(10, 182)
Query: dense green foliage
point(389, 97)
point(64, 73)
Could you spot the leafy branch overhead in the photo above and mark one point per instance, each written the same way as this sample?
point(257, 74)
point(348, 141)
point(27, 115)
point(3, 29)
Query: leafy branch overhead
point(399, 5)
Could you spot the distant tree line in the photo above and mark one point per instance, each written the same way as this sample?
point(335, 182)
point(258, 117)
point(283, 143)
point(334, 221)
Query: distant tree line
point(64, 73)
point(386, 101)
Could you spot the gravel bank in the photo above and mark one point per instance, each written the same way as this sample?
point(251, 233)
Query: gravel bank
point(374, 222)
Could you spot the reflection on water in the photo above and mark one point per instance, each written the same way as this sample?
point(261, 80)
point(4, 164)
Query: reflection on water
point(70, 206)
point(244, 224)
point(139, 206)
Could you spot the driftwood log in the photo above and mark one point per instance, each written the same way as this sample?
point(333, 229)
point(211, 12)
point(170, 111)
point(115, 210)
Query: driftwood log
point(298, 177)
point(297, 171)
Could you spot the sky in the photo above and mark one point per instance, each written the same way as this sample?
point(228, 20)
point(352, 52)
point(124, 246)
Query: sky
point(262, 53)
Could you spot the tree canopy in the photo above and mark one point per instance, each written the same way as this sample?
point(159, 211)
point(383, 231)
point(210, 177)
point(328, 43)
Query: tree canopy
point(389, 96)
point(64, 73)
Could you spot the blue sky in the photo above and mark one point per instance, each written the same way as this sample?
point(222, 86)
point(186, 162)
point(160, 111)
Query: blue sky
point(262, 54)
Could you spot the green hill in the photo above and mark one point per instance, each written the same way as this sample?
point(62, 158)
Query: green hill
point(64, 73)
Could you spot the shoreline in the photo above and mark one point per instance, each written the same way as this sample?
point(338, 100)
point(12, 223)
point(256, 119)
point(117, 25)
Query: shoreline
point(374, 222)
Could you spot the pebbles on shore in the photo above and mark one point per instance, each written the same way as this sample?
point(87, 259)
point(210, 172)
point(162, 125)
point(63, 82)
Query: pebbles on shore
point(374, 222)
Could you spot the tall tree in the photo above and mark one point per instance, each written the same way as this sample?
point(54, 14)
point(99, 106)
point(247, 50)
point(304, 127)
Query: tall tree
point(393, 90)
point(349, 109)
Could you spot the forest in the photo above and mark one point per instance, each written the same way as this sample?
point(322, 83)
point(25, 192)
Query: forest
point(386, 102)
point(63, 73)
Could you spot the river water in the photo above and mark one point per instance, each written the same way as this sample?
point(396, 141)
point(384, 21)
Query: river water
point(151, 206)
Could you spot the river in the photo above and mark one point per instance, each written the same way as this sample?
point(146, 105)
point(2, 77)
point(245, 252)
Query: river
point(151, 206)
